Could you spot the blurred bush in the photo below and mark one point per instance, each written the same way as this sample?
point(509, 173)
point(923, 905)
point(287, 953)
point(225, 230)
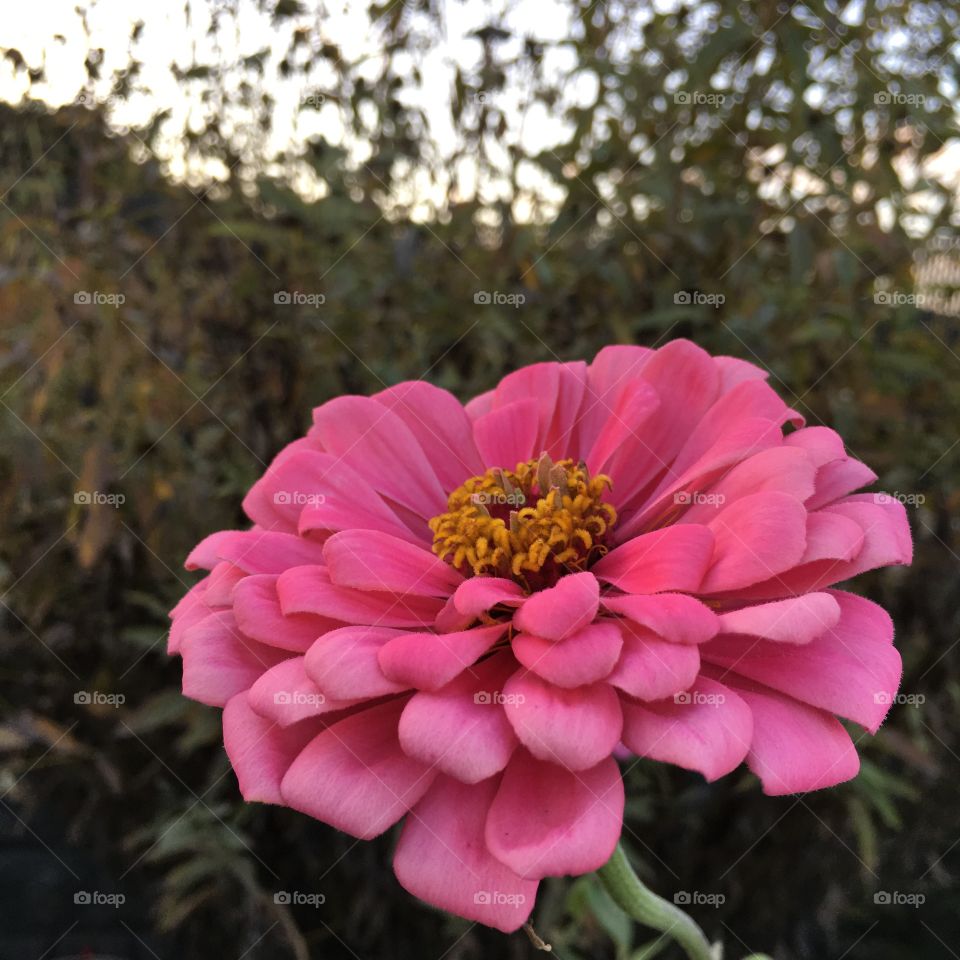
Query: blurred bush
point(131, 430)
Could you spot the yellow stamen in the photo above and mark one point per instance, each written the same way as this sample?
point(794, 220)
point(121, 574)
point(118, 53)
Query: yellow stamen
point(533, 524)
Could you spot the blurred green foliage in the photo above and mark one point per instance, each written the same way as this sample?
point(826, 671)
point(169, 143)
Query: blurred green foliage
point(176, 400)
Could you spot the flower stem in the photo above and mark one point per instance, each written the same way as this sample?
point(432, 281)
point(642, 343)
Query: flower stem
point(647, 908)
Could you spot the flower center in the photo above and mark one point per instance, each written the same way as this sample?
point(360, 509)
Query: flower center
point(533, 524)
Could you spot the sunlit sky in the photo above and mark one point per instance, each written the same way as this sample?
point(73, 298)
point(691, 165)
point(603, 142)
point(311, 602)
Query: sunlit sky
point(51, 34)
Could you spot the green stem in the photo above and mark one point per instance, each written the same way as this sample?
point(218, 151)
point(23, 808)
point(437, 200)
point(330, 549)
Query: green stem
point(647, 908)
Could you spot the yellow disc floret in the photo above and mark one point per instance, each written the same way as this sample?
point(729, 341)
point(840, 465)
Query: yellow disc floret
point(532, 524)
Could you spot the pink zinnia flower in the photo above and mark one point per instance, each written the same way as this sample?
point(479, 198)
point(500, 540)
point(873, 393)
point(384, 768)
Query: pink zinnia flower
point(459, 615)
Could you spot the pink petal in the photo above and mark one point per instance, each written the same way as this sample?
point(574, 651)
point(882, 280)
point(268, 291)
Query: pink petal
point(539, 382)
point(477, 595)
point(637, 402)
point(742, 441)
point(343, 500)
point(220, 584)
point(837, 479)
point(686, 380)
point(190, 610)
point(584, 657)
point(575, 728)
point(343, 663)
point(427, 661)
point(562, 609)
point(850, 669)
point(672, 559)
point(256, 606)
point(220, 662)
point(708, 729)
point(547, 822)
point(783, 469)
point(379, 446)
point(355, 776)
point(651, 668)
point(886, 541)
point(795, 748)
point(612, 370)
point(286, 695)
point(507, 435)
point(733, 370)
point(831, 537)
point(796, 620)
point(440, 425)
point(674, 616)
point(757, 537)
point(254, 551)
point(442, 858)
point(309, 590)
point(562, 426)
point(461, 728)
point(821, 444)
point(370, 560)
point(261, 752)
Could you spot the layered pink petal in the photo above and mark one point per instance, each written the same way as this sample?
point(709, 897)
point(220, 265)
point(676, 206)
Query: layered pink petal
point(673, 616)
point(795, 748)
point(309, 590)
point(560, 610)
point(709, 729)
point(345, 663)
point(440, 425)
point(371, 560)
point(442, 858)
point(851, 669)
point(757, 537)
point(220, 662)
point(477, 595)
point(574, 728)
point(546, 821)
point(584, 657)
point(795, 620)
point(286, 695)
point(427, 661)
point(256, 606)
point(254, 551)
point(461, 728)
point(508, 434)
point(672, 559)
point(355, 776)
point(651, 668)
point(259, 750)
point(378, 445)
